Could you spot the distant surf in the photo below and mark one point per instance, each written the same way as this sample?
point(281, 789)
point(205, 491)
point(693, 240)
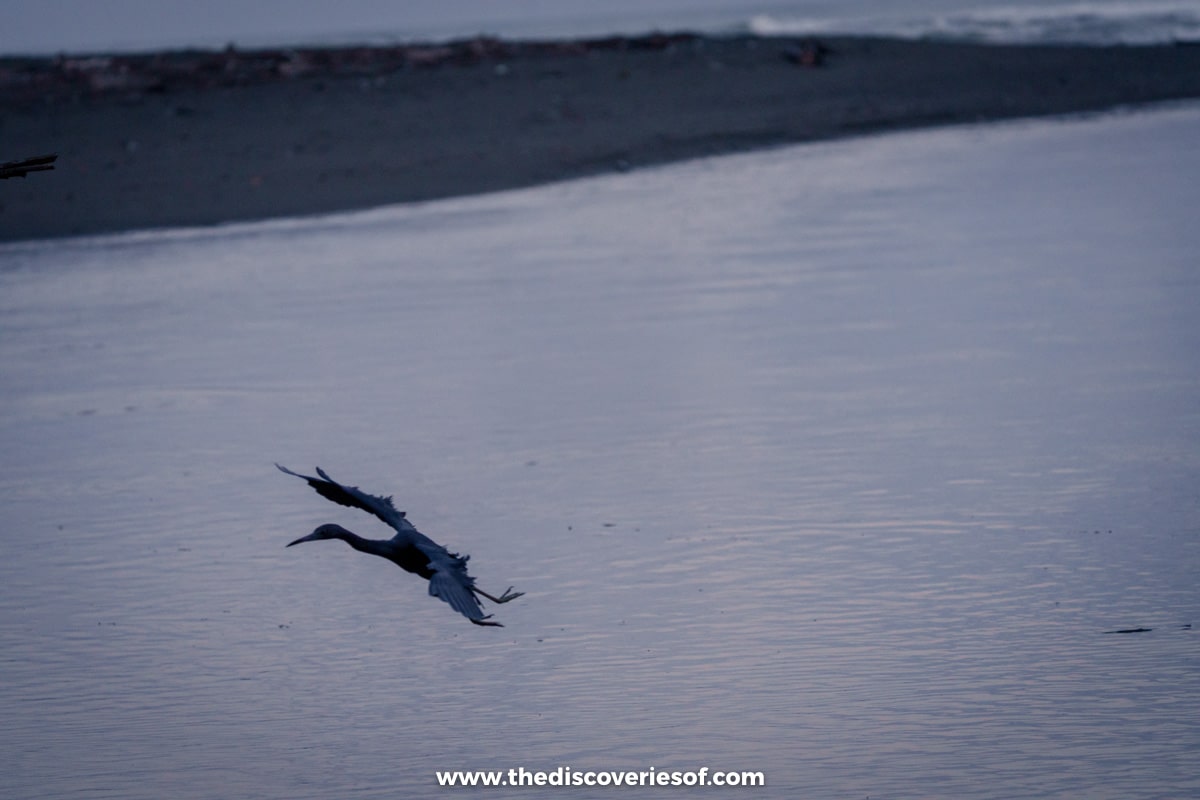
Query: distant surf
point(1078, 23)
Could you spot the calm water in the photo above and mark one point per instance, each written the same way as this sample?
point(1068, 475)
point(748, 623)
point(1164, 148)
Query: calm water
point(835, 462)
point(84, 25)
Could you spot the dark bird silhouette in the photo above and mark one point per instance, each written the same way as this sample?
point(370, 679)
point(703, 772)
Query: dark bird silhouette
point(409, 549)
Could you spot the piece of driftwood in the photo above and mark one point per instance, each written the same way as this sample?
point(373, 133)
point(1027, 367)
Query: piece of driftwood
point(21, 168)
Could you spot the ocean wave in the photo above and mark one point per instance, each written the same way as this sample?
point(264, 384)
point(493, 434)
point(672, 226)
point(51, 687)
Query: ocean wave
point(1130, 23)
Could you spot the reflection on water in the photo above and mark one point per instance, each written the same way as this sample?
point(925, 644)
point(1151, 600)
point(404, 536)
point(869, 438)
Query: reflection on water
point(833, 462)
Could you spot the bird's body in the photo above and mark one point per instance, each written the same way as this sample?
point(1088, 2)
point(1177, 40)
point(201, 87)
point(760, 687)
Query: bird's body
point(409, 549)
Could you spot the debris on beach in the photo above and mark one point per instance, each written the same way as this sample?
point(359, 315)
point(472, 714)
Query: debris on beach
point(24, 166)
point(808, 54)
point(66, 76)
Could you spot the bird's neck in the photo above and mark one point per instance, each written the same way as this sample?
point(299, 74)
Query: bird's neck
point(371, 546)
point(408, 558)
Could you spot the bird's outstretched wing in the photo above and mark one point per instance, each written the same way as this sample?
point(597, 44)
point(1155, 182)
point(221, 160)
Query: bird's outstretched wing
point(451, 582)
point(352, 496)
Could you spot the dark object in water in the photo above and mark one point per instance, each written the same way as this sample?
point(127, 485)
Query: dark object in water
point(409, 549)
point(1132, 630)
point(24, 166)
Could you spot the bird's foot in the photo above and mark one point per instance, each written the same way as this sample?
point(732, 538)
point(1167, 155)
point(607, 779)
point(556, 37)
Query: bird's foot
point(509, 594)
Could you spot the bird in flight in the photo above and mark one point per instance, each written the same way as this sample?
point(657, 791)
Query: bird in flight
point(409, 549)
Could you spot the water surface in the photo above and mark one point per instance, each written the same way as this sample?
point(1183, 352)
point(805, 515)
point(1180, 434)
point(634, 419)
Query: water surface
point(835, 462)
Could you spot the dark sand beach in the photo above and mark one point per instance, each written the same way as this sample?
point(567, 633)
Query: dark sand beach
point(198, 138)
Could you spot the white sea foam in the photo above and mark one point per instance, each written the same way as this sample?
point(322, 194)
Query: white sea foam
point(1075, 23)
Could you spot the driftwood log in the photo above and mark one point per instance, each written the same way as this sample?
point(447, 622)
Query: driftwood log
point(21, 168)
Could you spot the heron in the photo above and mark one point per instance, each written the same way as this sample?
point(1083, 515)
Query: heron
point(409, 549)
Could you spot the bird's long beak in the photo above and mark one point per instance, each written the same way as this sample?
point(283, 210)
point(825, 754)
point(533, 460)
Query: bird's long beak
point(311, 537)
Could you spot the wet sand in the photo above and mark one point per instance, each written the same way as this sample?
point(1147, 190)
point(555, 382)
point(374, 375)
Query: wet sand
point(198, 138)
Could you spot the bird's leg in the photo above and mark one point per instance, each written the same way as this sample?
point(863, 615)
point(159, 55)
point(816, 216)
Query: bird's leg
point(509, 594)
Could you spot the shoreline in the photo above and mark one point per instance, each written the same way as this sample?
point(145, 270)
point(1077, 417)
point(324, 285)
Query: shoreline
point(189, 138)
